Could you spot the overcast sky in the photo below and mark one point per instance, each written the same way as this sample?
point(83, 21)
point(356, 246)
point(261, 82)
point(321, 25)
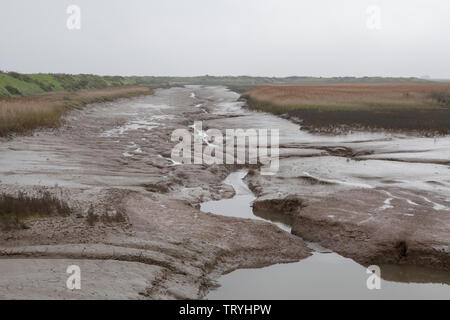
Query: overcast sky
point(228, 37)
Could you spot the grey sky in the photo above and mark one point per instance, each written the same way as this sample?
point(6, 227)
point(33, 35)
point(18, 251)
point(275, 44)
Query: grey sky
point(227, 37)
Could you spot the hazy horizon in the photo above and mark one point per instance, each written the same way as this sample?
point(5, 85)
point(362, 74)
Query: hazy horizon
point(254, 38)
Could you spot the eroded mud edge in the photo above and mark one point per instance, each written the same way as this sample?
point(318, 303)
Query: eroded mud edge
point(363, 232)
point(188, 248)
point(163, 227)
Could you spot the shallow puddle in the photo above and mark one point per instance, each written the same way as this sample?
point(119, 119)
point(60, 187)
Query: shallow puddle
point(324, 275)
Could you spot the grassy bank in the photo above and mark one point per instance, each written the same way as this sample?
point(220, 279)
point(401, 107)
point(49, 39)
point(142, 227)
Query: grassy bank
point(23, 114)
point(13, 84)
point(333, 108)
point(30, 101)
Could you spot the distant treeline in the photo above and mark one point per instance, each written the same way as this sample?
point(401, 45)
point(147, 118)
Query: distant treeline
point(13, 84)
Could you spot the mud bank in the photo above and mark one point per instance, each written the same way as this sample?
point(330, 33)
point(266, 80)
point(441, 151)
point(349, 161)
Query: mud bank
point(325, 274)
point(372, 231)
point(388, 227)
point(185, 248)
point(116, 157)
point(370, 225)
point(375, 212)
point(358, 194)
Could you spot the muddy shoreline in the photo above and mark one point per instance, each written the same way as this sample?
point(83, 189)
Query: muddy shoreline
point(360, 231)
point(94, 160)
point(116, 156)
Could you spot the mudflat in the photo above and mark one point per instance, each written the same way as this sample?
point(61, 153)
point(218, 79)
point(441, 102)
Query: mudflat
point(115, 157)
point(374, 197)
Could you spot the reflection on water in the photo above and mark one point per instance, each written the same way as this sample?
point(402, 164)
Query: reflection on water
point(240, 205)
point(282, 220)
point(324, 275)
point(414, 274)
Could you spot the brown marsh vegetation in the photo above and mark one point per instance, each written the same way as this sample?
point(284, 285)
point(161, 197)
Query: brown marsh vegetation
point(15, 209)
point(423, 107)
point(23, 114)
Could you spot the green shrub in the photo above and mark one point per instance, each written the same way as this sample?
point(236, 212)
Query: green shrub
point(20, 76)
point(13, 91)
point(68, 82)
point(46, 87)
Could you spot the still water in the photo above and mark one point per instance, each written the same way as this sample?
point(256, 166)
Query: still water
point(324, 275)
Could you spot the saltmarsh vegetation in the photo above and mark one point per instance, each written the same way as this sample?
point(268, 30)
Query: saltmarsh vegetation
point(15, 210)
point(337, 108)
point(27, 84)
point(21, 115)
point(32, 101)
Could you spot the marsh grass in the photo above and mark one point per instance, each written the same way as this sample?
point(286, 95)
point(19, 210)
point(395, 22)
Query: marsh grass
point(411, 107)
point(441, 97)
point(24, 114)
point(15, 210)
